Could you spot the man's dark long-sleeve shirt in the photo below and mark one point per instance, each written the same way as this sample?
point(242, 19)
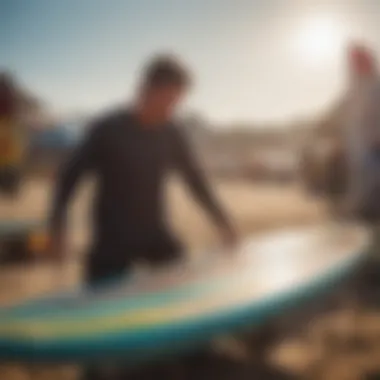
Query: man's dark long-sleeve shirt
point(130, 163)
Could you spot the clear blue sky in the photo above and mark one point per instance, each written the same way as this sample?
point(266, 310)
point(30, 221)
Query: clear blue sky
point(252, 58)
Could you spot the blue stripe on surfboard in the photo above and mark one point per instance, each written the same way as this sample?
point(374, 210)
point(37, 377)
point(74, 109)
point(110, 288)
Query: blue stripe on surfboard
point(38, 306)
point(120, 304)
point(46, 307)
point(143, 345)
point(16, 226)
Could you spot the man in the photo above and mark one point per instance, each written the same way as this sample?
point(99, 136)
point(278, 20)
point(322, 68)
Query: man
point(131, 151)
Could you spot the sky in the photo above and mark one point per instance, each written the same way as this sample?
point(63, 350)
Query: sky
point(253, 60)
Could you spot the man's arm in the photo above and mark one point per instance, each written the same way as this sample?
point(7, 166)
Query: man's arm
point(194, 176)
point(79, 163)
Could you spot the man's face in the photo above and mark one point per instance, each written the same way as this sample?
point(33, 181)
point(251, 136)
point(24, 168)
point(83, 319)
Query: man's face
point(163, 100)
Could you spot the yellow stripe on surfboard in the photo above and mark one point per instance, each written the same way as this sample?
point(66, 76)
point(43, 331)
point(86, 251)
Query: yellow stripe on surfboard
point(75, 328)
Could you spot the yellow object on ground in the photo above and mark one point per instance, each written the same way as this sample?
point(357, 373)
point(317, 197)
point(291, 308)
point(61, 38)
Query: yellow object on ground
point(12, 143)
point(38, 242)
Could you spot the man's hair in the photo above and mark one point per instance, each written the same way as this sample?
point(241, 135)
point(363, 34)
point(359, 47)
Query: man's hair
point(166, 70)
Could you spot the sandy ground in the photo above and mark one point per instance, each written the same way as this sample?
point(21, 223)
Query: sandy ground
point(254, 207)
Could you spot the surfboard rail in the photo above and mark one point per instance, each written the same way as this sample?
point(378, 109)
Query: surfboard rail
point(181, 307)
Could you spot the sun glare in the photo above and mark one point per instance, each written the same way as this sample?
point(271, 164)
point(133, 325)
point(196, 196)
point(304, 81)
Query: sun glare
point(319, 40)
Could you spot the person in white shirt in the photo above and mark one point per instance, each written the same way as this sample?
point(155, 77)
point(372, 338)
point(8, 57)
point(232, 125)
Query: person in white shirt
point(361, 135)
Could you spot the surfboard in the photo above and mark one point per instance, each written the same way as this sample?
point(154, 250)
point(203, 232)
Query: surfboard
point(154, 313)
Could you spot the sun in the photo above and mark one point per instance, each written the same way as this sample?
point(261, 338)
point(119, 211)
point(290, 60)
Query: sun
point(319, 40)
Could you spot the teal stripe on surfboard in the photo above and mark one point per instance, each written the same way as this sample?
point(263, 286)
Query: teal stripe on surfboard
point(15, 226)
point(106, 307)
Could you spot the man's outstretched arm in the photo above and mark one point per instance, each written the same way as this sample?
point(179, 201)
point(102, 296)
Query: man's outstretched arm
point(81, 160)
point(196, 179)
